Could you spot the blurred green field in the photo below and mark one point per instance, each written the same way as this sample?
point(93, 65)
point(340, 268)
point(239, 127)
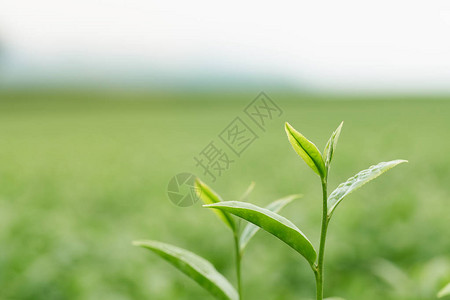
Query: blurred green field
point(84, 174)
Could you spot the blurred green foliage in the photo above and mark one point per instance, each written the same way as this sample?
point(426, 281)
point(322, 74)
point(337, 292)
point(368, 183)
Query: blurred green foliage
point(83, 174)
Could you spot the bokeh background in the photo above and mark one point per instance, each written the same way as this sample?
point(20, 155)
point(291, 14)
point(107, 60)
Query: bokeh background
point(102, 102)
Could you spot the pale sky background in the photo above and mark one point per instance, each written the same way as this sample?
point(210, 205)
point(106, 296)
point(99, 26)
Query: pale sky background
point(328, 45)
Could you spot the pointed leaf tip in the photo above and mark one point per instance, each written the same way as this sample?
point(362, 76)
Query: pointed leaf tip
point(209, 196)
point(357, 181)
point(247, 192)
point(306, 150)
point(329, 150)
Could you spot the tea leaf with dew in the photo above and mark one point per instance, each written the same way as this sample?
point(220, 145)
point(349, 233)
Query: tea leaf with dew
point(357, 181)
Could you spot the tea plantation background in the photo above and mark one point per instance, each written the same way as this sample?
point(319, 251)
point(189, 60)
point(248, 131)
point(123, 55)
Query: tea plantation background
point(83, 174)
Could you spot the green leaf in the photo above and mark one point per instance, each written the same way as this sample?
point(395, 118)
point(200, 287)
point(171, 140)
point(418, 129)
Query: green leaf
point(248, 191)
point(445, 291)
point(392, 275)
point(357, 181)
point(271, 222)
point(194, 266)
point(208, 196)
point(306, 150)
point(250, 229)
point(331, 146)
point(334, 298)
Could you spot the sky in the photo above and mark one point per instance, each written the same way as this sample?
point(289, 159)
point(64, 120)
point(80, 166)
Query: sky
point(326, 45)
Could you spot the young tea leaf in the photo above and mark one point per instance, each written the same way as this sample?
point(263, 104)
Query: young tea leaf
point(250, 229)
point(208, 196)
point(392, 275)
point(357, 181)
point(271, 222)
point(194, 266)
point(306, 150)
point(247, 192)
point(331, 146)
point(445, 291)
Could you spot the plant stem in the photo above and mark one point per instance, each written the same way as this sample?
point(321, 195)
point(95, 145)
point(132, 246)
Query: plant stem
point(238, 264)
point(323, 236)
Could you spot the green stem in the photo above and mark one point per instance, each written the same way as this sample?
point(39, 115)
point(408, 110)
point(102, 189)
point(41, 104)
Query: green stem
point(323, 236)
point(238, 264)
